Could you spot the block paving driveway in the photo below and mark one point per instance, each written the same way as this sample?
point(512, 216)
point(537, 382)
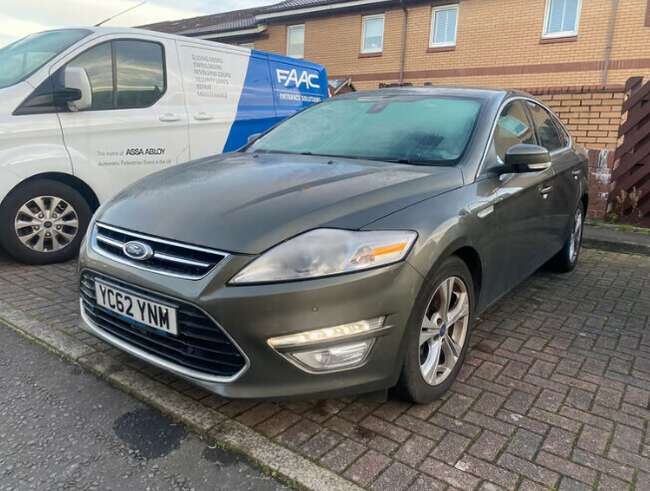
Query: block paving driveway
point(555, 393)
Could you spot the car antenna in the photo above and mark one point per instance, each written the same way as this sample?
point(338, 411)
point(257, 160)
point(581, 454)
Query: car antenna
point(120, 13)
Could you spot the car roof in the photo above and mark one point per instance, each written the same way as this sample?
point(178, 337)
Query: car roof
point(493, 95)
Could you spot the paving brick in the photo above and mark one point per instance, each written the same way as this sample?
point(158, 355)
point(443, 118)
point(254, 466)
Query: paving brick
point(493, 473)
point(426, 483)
point(525, 444)
point(384, 428)
point(450, 448)
point(395, 478)
point(339, 458)
point(593, 439)
point(321, 443)
point(414, 450)
point(451, 475)
point(528, 469)
point(623, 471)
point(414, 425)
point(559, 442)
point(566, 467)
point(367, 468)
point(488, 445)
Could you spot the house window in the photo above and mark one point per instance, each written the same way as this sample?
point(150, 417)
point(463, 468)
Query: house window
point(296, 41)
point(562, 18)
point(372, 34)
point(444, 22)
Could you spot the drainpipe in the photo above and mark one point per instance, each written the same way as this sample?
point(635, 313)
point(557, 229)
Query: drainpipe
point(402, 59)
point(610, 41)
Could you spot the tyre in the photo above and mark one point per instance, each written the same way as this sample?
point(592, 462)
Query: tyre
point(567, 259)
point(438, 332)
point(43, 221)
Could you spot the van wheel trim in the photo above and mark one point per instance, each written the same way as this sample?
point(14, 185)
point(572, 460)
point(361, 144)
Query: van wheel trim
point(444, 330)
point(46, 224)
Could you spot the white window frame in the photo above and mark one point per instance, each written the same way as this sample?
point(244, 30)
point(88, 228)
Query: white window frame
point(562, 34)
point(364, 20)
point(434, 11)
point(293, 28)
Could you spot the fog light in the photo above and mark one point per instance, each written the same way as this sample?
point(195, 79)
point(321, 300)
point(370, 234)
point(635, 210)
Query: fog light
point(327, 334)
point(335, 357)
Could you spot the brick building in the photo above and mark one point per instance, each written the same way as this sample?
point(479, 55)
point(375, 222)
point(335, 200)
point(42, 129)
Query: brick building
point(576, 55)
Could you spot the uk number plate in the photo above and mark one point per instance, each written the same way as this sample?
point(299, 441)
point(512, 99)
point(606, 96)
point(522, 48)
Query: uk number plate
point(146, 312)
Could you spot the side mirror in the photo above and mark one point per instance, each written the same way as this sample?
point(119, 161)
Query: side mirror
point(527, 158)
point(254, 137)
point(77, 89)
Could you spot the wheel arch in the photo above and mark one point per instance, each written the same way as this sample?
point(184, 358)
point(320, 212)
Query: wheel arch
point(82, 187)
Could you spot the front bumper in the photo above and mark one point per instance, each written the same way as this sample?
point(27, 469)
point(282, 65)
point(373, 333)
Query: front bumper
point(250, 315)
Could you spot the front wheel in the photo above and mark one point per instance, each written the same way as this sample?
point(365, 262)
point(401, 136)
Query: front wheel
point(43, 222)
point(438, 332)
point(567, 259)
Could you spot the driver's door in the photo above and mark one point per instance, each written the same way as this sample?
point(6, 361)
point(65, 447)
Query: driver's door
point(516, 203)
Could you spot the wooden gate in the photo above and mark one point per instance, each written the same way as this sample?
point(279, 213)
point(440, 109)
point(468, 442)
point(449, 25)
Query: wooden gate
point(631, 173)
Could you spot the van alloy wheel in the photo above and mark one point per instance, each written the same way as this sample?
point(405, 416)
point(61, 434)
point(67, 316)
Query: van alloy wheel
point(46, 224)
point(444, 329)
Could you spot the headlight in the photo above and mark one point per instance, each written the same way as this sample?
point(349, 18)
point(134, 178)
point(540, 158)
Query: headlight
point(325, 252)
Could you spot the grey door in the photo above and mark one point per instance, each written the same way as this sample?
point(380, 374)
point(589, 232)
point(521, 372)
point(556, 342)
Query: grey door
point(516, 203)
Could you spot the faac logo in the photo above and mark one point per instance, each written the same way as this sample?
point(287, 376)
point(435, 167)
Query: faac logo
point(291, 78)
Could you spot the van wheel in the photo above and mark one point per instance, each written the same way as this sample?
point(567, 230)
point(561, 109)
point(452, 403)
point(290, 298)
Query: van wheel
point(43, 222)
point(438, 332)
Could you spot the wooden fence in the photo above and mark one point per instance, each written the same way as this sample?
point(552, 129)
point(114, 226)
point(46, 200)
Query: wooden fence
point(631, 174)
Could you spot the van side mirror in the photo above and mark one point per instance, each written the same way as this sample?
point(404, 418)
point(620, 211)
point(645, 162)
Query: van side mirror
point(526, 158)
point(254, 137)
point(77, 93)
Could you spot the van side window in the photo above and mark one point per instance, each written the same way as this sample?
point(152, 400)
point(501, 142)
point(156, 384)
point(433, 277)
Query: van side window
point(99, 68)
point(124, 74)
point(140, 73)
point(513, 127)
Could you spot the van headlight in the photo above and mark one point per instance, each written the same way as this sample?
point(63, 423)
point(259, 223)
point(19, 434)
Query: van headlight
point(326, 252)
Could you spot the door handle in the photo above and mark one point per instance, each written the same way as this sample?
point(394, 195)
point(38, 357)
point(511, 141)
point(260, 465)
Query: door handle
point(203, 116)
point(169, 117)
point(545, 190)
point(576, 173)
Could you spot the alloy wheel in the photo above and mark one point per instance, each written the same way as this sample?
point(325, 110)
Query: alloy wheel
point(576, 236)
point(46, 224)
point(444, 330)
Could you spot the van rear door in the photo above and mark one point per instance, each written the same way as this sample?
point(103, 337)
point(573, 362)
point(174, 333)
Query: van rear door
point(297, 84)
point(228, 96)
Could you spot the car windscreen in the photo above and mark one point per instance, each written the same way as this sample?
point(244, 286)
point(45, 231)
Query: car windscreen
point(426, 130)
point(23, 57)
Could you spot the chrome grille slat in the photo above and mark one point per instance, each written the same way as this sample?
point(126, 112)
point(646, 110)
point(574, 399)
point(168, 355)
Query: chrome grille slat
point(169, 258)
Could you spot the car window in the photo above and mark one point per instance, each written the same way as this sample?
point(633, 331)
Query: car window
point(97, 62)
point(513, 127)
point(138, 79)
point(547, 131)
point(408, 129)
point(139, 66)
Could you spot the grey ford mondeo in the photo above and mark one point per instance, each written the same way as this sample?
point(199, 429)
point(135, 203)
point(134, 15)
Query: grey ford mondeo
point(347, 250)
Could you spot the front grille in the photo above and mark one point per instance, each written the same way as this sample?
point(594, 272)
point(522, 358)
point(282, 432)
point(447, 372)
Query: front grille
point(169, 258)
point(200, 345)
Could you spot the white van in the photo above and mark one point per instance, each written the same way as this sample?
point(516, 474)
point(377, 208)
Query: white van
point(86, 111)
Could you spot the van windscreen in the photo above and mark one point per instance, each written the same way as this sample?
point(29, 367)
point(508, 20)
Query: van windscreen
point(23, 57)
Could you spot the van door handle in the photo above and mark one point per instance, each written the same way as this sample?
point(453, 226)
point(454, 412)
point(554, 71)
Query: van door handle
point(576, 173)
point(203, 116)
point(545, 190)
point(169, 117)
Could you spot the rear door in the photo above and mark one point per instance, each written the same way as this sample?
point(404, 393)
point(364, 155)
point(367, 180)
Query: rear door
point(137, 123)
point(296, 85)
point(217, 80)
point(565, 186)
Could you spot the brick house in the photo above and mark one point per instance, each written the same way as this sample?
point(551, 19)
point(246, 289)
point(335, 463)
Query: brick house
point(576, 55)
